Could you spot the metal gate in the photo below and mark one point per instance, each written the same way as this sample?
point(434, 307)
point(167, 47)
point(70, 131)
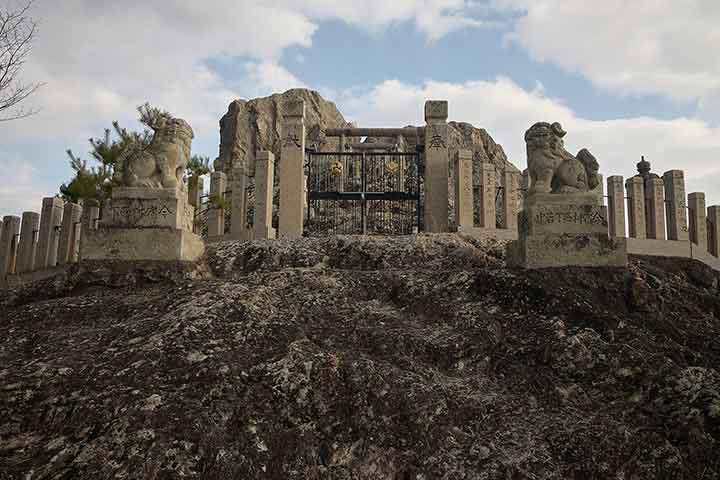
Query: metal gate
point(374, 193)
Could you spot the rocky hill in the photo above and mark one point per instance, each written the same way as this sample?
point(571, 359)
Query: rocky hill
point(418, 357)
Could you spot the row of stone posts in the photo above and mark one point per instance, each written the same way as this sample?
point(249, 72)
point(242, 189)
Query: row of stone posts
point(658, 209)
point(37, 242)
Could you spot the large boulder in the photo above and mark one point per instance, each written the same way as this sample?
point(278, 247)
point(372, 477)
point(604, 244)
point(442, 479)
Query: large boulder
point(253, 125)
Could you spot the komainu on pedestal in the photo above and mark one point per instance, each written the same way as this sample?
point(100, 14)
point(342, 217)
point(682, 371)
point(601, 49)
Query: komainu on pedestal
point(563, 222)
point(149, 216)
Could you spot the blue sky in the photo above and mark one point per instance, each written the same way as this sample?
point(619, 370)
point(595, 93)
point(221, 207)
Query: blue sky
point(625, 80)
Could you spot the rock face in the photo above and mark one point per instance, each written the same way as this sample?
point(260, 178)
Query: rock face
point(416, 357)
point(253, 125)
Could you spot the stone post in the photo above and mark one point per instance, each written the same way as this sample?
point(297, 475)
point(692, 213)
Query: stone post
point(292, 175)
point(509, 183)
point(8, 245)
point(655, 208)
point(436, 166)
point(28, 242)
point(487, 197)
point(70, 234)
point(636, 206)
point(698, 219)
point(90, 217)
point(616, 206)
point(463, 190)
point(675, 205)
point(196, 186)
point(713, 214)
point(238, 215)
point(264, 179)
point(48, 238)
point(216, 215)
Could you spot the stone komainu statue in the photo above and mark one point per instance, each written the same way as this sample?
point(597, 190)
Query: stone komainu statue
point(160, 164)
point(552, 168)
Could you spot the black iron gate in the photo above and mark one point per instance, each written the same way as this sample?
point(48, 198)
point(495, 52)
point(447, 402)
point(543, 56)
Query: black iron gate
point(364, 193)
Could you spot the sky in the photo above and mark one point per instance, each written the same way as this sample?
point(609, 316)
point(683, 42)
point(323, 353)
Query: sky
point(624, 79)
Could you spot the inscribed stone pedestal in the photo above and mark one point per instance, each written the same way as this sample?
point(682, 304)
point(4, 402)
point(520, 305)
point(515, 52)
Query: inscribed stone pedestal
point(49, 235)
point(28, 242)
point(675, 204)
point(636, 207)
point(698, 219)
point(8, 245)
point(463, 189)
point(436, 166)
point(292, 175)
point(264, 178)
point(616, 206)
point(565, 230)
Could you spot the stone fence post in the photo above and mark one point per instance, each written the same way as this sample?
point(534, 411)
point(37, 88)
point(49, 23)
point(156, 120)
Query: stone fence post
point(698, 219)
point(70, 234)
point(675, 204)
point(636, 207)
point(216, 214)
point(28, 242)
point(616, 206)
point(713, 214)
point(90, 217)
point(655, 208)
point(48, 238)
point(8, 245)
point(292, 175)
point(510, 180)
point(436, 166)
point(238, 215)
point(264, 180)
point(488, 195)
point(463, 190)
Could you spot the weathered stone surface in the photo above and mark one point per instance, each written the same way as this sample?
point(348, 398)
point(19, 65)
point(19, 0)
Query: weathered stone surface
point(49, 235)
point(437, 171)
point(616, 206)
point(149, 208)
point(292, 171)
point(362, 358)
point(28, 242)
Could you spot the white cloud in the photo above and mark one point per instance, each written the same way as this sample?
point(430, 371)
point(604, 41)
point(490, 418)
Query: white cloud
point(506, 110)
point(24, 192)
point(665, 47)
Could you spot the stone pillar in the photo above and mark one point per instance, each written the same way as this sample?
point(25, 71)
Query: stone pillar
point(436, 166)
point(463, 190)
point(292, 175)
point(713, 214)
point(238, 215)
point(655, 208)
point(196, 186)
point(675, 205)
point(8, 245)
point(90, 217)
point(28, 242)
point(70, 234)
point(636, 207)
point(509, 184)
point(487, 197)
point(616, 206)
point(48, 238)
point(264, 179)
point(216, 215)
point(698, 219)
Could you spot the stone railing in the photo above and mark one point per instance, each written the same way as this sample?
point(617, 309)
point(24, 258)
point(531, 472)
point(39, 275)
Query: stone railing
point(476, 205)
point(661, 219)
point(34, 245)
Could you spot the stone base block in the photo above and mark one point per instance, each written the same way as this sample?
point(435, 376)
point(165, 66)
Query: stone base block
point(140, 244)
point(149, 208)
point(568, 249)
